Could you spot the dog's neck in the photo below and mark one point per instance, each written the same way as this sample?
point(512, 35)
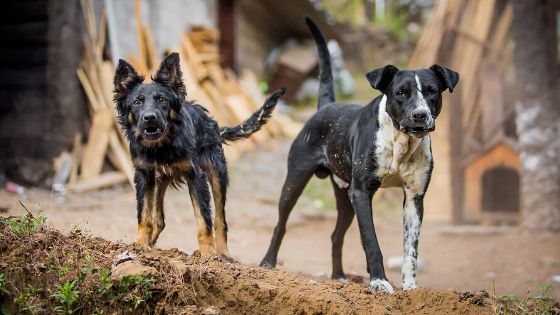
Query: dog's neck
point(394, 144)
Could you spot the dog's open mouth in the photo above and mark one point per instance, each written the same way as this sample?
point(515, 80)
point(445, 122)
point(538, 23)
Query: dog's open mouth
point(152, 133)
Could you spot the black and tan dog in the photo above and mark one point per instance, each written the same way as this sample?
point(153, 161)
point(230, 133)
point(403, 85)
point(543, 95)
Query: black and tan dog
point(173, 142)
point(363, 148)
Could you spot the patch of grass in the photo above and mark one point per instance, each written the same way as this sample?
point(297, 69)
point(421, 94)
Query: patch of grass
point(105, 284)
point(320, 194)
point(137, 289)
point(66, 296)
point(26, 225)
point(26, 300)
point(540, 304)
point(3, 285)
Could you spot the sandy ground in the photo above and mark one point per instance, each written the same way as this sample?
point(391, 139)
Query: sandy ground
point(509, 259)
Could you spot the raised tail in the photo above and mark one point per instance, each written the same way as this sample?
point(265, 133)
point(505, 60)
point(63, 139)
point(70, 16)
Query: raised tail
point(254, 122)
point(326, 81)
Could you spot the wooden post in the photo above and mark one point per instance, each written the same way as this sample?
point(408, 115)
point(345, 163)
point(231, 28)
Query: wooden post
point(226, 24)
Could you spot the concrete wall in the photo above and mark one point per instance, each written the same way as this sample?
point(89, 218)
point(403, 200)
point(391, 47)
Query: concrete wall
point(167, 19)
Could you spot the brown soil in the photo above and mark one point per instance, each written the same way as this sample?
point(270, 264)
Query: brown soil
point(189, 284)
point(503, 260)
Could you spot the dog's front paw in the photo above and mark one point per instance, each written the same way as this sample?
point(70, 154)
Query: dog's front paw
point(143, 241)
point(380, 285)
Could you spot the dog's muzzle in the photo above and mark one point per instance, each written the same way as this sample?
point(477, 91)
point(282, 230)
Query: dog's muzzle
point(418, 130)
point(151, 126)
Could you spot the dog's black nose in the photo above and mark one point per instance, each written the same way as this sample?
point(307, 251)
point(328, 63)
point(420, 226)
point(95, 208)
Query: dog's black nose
point(149, 116)
point(419, 116)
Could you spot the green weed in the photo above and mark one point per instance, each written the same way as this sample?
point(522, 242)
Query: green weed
point(540, 304)
point(66, 296)
point(137, 289)
point(3, 285)
point(26, 225)
point(26, 299)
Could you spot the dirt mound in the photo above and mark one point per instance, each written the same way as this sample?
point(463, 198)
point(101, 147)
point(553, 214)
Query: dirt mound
point(42, 270)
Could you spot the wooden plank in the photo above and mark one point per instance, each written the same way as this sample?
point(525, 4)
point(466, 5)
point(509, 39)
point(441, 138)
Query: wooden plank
point(249, 85)
point(491, 99)
point(227, 114)
point(478, 20)
point(209, 57)
point(106, 72)
point(151, 49)
point(237, 105)
point(102, 38)
point(427, 49)
point(88, 89)
point(290, 128)
point(501, 32)
point(196, 93)
point(192, 56)
point(98, 141)
point(218, 102)
point(249, 105)
point(139, 66)
point(76, 157)
point(139, 35)
point(120, 156)
point(104, 180)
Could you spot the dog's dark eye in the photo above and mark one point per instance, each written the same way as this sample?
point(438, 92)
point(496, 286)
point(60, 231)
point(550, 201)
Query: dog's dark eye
point(137, 103)
point(430, 91)
point(162, 99)
point(401, 92)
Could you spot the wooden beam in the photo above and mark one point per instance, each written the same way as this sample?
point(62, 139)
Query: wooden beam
point(98, 141)
point(104, 180)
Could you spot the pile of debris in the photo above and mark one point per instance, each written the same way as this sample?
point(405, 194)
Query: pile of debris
point(228, 98)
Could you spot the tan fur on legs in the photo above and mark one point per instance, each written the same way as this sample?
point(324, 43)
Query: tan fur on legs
point(145, 226)
point(220, 226)
point(206, 244)
point(158, 216)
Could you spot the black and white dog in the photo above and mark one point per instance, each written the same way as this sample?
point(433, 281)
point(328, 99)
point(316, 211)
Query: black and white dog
point(362, 148)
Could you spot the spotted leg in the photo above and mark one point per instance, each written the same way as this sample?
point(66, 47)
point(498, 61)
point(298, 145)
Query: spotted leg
point(412, 222)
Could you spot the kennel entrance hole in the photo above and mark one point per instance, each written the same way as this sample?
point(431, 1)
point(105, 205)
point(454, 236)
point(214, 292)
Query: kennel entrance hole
point(500, 190)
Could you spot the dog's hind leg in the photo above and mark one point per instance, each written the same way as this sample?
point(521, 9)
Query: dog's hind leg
point(145, 188)
point(343, 221)
point(158, 216)
point(297, 178)
point(200, 197)
point(218, 181)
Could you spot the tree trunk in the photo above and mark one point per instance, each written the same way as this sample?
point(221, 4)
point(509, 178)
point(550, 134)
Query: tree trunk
point(538, 112)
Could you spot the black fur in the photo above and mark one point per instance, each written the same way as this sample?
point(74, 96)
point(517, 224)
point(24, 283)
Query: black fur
point(326, 85)
point(174, 141)
point(253, 123)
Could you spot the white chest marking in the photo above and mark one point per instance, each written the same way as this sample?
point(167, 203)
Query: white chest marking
point(400, 157)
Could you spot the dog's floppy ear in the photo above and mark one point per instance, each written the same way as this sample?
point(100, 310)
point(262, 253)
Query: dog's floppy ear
point(380, 78)
point(446, 77)
point(169, 73)
point(125, 78)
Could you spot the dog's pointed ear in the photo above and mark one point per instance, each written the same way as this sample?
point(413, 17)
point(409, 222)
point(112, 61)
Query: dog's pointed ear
point(169, 73)
point(125, 77)
point(446, 77)
point(380, 78)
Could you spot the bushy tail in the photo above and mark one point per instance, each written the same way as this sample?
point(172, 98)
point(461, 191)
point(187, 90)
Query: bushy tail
point(326, 81)
point(253, 123)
